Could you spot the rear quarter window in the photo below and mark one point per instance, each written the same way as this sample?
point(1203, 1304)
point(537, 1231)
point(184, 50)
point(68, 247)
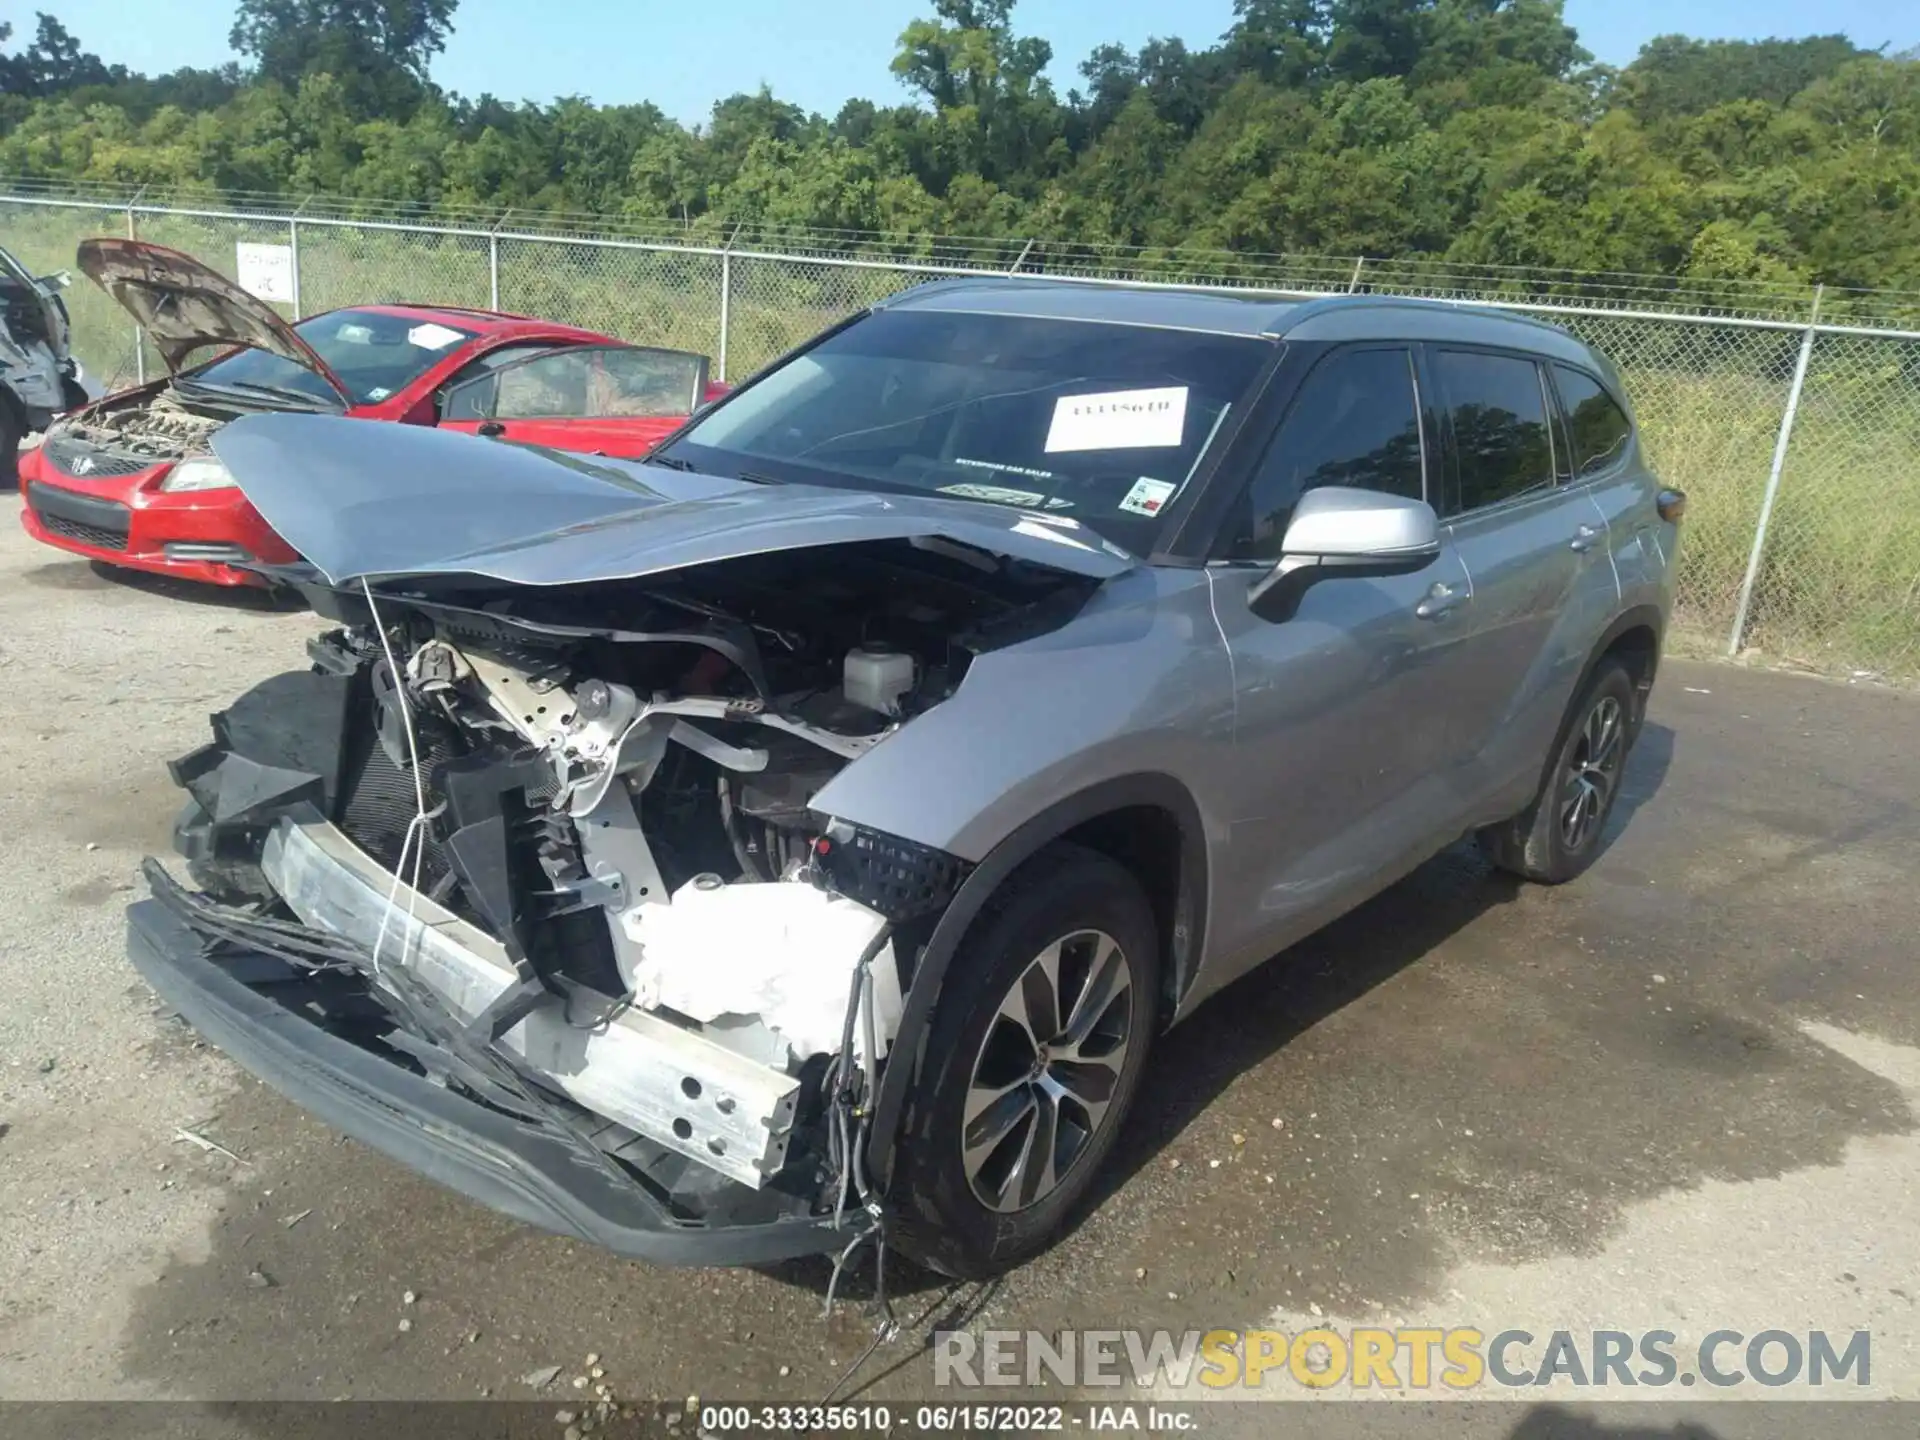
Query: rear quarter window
point(1598, 429)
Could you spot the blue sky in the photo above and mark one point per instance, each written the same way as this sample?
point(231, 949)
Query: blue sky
point(683, 57)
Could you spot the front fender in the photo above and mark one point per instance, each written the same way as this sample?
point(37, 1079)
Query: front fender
point(936, 956)
point(1137, 683)
point(1131, 703)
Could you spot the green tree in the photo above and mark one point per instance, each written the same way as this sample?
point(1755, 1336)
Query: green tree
point(1474, 129)
point(52, 63)
point(998, 115)
point(378, 49)
point(1678, 76)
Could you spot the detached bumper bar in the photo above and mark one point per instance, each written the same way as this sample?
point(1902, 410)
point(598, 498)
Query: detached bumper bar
point(515, 1168)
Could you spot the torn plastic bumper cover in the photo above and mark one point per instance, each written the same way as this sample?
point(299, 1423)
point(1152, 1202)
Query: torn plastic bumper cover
point(523, 1169)
point(413, 1026)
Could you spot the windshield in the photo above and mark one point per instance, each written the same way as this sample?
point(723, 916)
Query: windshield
point(1102, 423)
point(374, 355)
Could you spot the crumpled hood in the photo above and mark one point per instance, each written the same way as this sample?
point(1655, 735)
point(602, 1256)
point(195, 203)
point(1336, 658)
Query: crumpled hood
point(183, 305)
point(365, 501)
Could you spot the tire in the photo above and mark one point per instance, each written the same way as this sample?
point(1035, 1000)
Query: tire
point(1088, 913)
point(10, 434)
point(1558, 836)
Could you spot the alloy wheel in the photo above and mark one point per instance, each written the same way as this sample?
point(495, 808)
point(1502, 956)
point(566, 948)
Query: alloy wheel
point(1047, 1070)
point(1593, 770)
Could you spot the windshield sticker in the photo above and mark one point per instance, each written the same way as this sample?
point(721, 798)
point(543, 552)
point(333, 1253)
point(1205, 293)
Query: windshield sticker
point(999, 494)
point(1006, 495)
point(1146, 497)
point(1031, 474)
point(431, 337)
point(1119, 420)
point(378, 392)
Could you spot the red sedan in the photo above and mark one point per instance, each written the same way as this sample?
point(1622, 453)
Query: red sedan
point(131, 480)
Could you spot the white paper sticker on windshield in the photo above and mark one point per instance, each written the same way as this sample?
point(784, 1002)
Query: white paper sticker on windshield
point(1119, 420)
point(431, 337)
point(1146, 497)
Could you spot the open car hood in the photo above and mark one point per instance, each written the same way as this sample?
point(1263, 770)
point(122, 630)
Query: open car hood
point(363, 501)
point(183, 305)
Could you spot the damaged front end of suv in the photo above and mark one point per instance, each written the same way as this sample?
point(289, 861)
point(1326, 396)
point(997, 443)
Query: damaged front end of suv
point(531, 879)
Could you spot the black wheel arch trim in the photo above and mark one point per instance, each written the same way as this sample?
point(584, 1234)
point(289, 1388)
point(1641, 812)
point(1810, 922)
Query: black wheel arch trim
point(1152, 789)
point(1637, 617)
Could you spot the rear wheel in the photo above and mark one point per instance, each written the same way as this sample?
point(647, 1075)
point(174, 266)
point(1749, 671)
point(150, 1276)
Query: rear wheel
point(1035, 1055)
point(1558, 836)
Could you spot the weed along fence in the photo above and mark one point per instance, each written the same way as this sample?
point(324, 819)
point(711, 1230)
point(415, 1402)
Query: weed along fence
point(1790, 416)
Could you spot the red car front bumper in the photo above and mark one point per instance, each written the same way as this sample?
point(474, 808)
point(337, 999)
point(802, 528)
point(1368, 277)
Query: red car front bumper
point(203, 535)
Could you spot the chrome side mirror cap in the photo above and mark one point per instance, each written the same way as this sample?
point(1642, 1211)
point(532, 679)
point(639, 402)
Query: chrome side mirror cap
point(1337, 531)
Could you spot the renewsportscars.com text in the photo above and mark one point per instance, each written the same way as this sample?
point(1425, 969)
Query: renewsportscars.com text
point(1365, 1358)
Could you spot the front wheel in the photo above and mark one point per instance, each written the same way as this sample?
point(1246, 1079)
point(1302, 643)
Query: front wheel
point(1036, 1053)
point(1558, 836)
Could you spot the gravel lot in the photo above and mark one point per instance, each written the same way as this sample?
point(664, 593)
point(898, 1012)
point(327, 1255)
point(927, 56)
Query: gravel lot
point(1681, 1092)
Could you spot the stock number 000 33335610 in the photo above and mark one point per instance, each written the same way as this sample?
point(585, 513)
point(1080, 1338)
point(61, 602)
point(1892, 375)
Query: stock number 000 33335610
point(920, 1419)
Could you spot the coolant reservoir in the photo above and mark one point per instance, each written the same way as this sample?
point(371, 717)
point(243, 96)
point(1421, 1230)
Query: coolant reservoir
point(877, 677)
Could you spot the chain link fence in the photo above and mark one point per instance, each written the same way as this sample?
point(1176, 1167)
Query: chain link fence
point(1802, 542)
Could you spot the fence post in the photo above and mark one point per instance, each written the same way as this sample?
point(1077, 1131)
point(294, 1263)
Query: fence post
point(139, 347)
point(1359, 264)
point(1025, 251)
point(493, 260)
point(1773, 475)
point(726, 297)
point(293, 244)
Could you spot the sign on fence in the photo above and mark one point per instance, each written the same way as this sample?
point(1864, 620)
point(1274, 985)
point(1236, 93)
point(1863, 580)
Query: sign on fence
point(265, 270)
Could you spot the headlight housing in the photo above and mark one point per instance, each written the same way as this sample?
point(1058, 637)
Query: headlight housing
point(201, 473)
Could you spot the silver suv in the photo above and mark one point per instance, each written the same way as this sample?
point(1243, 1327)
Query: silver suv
point(798, 837)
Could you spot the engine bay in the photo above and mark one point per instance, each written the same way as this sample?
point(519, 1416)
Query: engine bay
point(583, 818)
point(164, 427)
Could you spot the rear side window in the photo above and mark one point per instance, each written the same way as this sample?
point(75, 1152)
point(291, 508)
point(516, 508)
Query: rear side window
point(1499, 416)
point(1356, 422)
point(1599, 428)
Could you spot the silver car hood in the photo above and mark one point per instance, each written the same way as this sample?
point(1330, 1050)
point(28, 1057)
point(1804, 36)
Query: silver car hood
point(361, 500)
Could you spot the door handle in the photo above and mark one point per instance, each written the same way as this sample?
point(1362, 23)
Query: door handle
point(1585, 538)
point(490, 428)
point(1438, 602)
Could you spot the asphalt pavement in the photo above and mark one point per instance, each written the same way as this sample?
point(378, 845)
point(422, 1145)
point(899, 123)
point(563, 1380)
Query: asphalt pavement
point(1679, 1093)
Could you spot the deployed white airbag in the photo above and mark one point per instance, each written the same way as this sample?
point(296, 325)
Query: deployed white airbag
point(784, 953)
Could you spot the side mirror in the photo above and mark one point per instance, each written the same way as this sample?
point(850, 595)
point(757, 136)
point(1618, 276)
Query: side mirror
point(1337, 531)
